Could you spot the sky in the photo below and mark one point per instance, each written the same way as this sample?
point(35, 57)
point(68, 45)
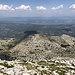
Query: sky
point(37, 8)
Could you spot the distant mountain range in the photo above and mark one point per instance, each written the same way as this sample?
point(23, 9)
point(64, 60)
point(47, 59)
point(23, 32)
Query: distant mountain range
point(41, 20)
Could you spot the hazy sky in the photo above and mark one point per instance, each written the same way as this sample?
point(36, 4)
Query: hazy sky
point(36, 8)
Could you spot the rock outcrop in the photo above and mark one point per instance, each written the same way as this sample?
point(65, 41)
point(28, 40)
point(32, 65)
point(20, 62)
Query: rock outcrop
point(54, 66)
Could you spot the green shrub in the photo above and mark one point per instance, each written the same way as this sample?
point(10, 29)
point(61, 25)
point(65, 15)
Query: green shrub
point(5, 64)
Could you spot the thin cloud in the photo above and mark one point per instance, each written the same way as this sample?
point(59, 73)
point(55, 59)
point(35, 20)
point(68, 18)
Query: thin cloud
point(6, 7)
point(23, 7)
point(40, 8)
point(57, 8)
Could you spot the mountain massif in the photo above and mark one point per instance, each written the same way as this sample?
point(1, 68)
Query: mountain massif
point(38, 55)
point(37, 47)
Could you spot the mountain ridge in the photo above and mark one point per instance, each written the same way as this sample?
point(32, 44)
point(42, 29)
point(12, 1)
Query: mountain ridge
point(38, 47)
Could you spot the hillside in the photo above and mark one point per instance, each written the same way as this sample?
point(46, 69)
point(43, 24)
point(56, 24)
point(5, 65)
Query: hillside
point(38, 47)
point(38, 55)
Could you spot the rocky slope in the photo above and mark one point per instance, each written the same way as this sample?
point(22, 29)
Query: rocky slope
point(38, 55)
point(38, 47)
point(54, 66)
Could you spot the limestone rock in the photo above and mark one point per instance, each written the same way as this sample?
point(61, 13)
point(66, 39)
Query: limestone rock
point(40, 47)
